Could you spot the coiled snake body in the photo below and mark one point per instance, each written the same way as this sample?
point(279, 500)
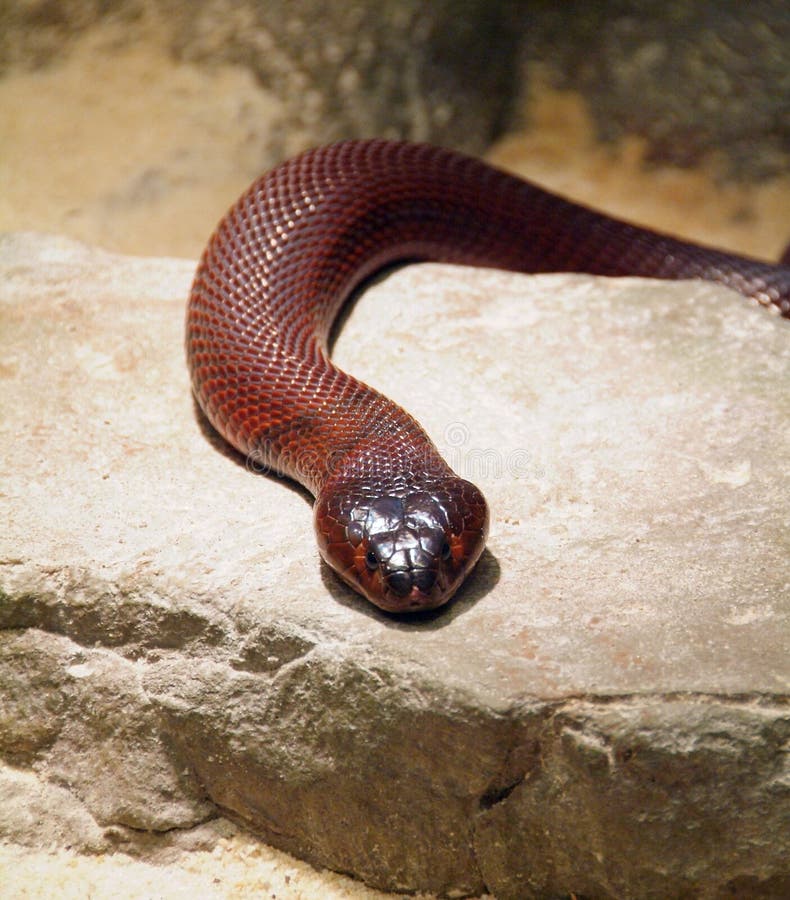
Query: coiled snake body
point(391, 517)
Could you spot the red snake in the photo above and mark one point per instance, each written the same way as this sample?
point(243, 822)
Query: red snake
point(391, 518)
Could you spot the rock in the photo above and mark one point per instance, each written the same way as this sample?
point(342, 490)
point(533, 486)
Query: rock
point(443, 71)
point(602, 710)
point(693, 80)
point(35, 811)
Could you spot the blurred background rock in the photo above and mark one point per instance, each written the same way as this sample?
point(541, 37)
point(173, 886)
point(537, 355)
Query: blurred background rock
point(135, 123)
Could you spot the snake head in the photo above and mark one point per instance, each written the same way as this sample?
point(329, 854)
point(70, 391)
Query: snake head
point(406, 550)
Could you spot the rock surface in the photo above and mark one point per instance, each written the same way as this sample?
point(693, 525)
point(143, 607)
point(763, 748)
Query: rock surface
point(693, 78)
point(442, 71)
point(602, 711)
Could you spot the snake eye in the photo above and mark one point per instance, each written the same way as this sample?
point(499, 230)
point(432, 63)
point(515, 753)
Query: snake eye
point(445, 550)
point(370, 560)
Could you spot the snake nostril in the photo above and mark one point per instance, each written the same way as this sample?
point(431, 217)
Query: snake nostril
point(400, 583)
point(371, 560)
point(424, 579)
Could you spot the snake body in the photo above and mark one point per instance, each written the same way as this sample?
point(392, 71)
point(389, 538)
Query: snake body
point(391, 518)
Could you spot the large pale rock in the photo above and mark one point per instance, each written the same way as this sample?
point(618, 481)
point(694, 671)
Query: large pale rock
point(603, 709)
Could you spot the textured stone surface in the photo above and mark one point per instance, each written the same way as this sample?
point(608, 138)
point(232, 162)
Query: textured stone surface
point(603, 710)
point(692, 77)
point(441, 71)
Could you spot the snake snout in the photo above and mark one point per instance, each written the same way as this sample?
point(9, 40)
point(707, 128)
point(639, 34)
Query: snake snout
point(409, 561)
point(403, 581)
point(424, 579)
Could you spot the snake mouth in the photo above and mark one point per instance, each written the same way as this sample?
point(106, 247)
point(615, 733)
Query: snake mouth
point(413, 601)
point(412, 588)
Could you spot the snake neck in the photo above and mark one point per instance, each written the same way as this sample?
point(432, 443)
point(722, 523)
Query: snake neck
point(363, 440)
point(394, 457)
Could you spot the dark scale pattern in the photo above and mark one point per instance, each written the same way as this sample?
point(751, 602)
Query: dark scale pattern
point(272, 280)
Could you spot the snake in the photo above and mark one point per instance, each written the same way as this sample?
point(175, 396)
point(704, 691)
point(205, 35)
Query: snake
point(391, 518)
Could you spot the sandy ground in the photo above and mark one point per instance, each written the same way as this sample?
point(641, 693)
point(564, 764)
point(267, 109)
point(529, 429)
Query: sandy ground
point(138, 154)
point(239, 867)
